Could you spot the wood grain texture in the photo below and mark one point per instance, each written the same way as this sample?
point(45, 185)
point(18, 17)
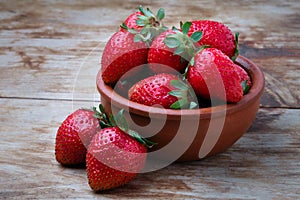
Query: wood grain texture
point(54, 46)
point(263, 164)
point(50, 55)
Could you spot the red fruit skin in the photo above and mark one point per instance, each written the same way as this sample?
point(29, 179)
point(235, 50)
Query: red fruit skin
point(209, 66)
point(114, 158)
point(243, 75)
point(214, 34)
point(154, 91)
point(161, 58)
point(74, 135)
point(120, 55)
point(131, 22)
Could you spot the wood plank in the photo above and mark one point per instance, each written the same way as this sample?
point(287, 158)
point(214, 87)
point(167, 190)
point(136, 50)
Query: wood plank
point(263, 164)
point(52, 49)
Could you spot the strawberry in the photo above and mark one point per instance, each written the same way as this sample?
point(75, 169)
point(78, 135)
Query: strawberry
point(74, 135)
point(110, 150)
point(245, 78)
point(130, 22)
point(207, 67)
point(217, 35)
point(128, 80)
point(115, 155)
point(121, 54)
point(160, 53)
point(172, 49)
point(166, 90)
point(145, 25)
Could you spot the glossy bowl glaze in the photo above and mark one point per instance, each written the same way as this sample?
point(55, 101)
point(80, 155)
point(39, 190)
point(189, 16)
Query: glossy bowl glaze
point(187, 135)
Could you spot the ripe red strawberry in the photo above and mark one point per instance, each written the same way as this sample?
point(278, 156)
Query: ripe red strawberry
point(166, 90)
point(172, 50)
point(74, 135)
point(160, 53)
point(207, 67)
point(216, 35)
point(114, 158)
point(116, 153)
point(120, 55)
point(130, 22)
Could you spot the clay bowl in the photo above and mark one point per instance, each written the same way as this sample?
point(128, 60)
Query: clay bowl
point(187, 135)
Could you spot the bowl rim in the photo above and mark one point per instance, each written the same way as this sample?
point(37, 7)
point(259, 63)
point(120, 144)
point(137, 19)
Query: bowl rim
point(258, 83)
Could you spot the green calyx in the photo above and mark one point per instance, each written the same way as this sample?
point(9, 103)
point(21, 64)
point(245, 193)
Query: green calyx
point(245, 87)
point(120, 121)
point(152, 25)
point(236, 42)
point(184, 95)
point(182, 43)
point(104, 120)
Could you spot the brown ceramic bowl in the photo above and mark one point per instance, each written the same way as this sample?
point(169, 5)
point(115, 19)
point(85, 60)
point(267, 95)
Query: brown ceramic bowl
point(186, 135)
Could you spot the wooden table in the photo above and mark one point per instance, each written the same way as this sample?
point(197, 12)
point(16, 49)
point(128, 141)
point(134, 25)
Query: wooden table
point(50, 52)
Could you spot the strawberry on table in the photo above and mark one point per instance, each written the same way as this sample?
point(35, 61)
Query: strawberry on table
point(74, 135)
point(115, 155)
point(216, 34)
point(166, 90)
point(207, 68)
point(110, 149)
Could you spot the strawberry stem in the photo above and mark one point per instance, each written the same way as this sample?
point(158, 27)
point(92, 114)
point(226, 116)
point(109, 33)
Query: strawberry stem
point(184, 95)
point(236, 42)
point(120, 121)
point(182, 43)
point(152, 25)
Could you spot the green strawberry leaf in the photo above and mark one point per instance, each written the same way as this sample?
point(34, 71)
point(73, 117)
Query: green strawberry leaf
point(176, 29)
point(178, 84)
point(149, 13)
point(236, 51)
point(245, 87)
point(171, 41)
point(141, 9)
point(124, 26)
point(193, 105)
point(143, 141)
point(184, 94)
point(142, 17)
point(104, 121)
point(186, 27)
point(192, 61)
point(181, 103)
point(138, 38)
point(196, 36)
point(180, 24)
point(177, 93)
point(140, 22)
point(121, 122)
point(160, 14)
point(179, 50)
point(101, 108)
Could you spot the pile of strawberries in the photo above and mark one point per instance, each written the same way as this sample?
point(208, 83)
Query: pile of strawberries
point(112, 153)
point(150, 64)
point(175, 68)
